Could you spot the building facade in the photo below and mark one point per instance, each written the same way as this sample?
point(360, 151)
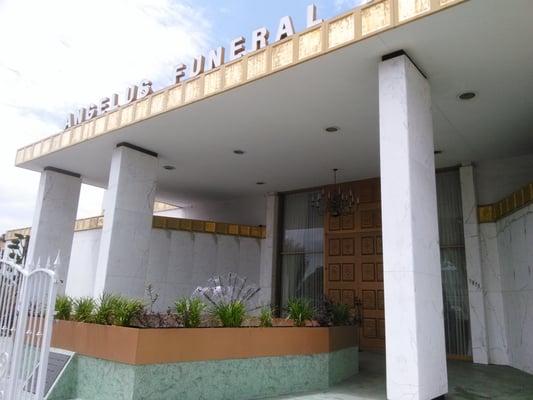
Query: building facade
point(428, 234)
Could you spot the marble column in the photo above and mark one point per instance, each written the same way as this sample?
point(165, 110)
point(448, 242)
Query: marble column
point(478, 326)
point(54, 218)
point(267, 272)
point(125, 240)
point(414, 323)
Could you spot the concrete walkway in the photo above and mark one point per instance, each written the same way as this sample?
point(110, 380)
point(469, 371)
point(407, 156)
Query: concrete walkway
point(466, 381)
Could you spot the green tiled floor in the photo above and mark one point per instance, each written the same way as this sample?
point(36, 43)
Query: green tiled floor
point(466, 381)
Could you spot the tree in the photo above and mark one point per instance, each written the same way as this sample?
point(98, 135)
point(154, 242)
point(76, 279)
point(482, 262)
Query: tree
point(19, 248)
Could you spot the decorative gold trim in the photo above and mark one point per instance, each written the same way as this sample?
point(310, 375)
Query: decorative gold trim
point(338, 32)
point(515, 201)
point(175, 224)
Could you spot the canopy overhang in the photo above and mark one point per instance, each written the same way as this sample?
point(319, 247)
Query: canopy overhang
point(279, 116)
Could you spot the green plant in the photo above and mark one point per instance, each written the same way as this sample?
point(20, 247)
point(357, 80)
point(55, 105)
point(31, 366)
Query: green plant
point(63, 307)
point(299, 310)
point(230, 314)
point(84, 309)
point(340, 314)
point(189, 311)
point(125, 309)
point(153, 296)
point(265, 317)
point(105, 309)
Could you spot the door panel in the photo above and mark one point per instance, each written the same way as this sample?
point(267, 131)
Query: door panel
point(353, 260)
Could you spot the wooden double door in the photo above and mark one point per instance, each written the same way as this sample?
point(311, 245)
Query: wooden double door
point(353, 261)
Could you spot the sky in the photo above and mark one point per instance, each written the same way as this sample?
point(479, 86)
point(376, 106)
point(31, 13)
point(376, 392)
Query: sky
point(59, 55)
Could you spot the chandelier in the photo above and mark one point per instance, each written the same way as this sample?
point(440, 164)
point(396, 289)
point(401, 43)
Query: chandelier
point(336, 201)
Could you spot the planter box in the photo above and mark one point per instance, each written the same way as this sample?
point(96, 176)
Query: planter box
point(159, 346)
point(214, 363)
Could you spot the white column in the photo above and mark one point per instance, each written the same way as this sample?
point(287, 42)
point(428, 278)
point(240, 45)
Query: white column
point(478, 326)
point(54, 218)
point(267, 272)
point(125, 240)
point(414, 323)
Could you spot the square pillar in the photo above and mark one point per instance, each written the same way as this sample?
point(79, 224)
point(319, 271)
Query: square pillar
point(414, 322)
point(128, 214)
point(269, 248)
point(478, 325)
point(54, 218)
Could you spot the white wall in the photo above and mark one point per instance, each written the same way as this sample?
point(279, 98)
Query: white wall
point(498, 349)
point(497, 179)
point(181, 261)
point(507, 253)
point(83, 260)
point(515, 245)
point(178, 261)
point(244, 210)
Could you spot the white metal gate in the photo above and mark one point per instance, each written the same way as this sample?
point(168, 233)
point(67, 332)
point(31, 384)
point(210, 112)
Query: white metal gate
point(27, 305)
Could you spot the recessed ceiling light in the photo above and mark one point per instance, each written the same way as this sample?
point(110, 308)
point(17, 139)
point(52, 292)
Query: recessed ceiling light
point(332, 129)
point(259, 183)
point(467, 95)
point(436, 152)
point(169, 167)
point(239, 152)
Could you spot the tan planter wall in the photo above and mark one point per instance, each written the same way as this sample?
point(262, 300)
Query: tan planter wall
point(155, 346)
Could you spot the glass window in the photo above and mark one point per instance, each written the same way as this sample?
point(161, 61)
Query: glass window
point(453, 264)
point(302, 254)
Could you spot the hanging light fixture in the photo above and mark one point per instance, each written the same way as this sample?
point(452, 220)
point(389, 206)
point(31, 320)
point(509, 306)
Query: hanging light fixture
point(335, 201)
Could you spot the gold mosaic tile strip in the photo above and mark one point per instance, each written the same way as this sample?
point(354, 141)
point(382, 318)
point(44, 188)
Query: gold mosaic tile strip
point(176, 224)
point(159, 103)
point(76, 136)
point(343, 30)
point(376, 17)
point(221, 228)
point(233, 74)
point(65, 138)
point(36, 150)
point(126, 116)
point(142, 109)
point(210, 227)
point(310, 43)
point(411, 8)
point(282, 54)
point(175, 97)
point(233, 229)
point(99, 126)
point(257, 64)
point(87, 132)
point(213, 82)
point(193, 90)
point(159, 222)
point(113, 120)
point(517, 200)
point(185, 224)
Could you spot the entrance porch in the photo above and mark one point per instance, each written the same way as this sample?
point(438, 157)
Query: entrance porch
point(390, 96)
point(466, 382)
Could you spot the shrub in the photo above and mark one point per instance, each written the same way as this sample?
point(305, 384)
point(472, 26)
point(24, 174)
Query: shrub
point(299, 310)
point(340, 314)
point(124, 310)
point(84, 309)
point(190, 311)
point(63, 307)
point(230, 314)
point(106, 309)
point(265, 317)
